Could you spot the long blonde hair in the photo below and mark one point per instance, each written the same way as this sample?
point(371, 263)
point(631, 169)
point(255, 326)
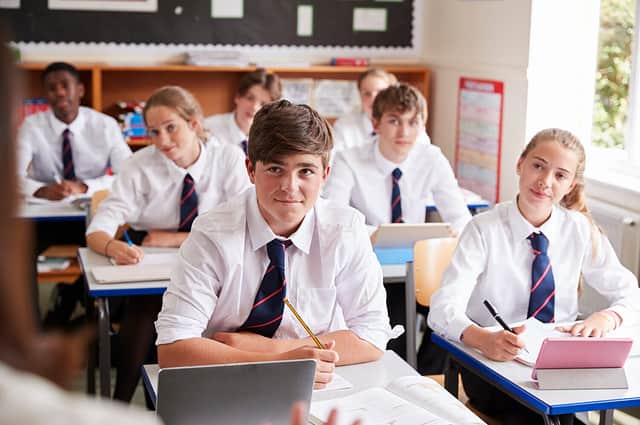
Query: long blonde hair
point(181, 101)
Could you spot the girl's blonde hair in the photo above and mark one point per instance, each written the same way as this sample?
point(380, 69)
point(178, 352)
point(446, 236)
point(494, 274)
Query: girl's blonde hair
point(379, 73)
point(181, 101)
point(574, 200)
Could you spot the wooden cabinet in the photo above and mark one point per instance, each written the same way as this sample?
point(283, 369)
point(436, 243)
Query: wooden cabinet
point(214, 87)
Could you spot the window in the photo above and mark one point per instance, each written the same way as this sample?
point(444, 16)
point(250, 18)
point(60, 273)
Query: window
point(616, 117)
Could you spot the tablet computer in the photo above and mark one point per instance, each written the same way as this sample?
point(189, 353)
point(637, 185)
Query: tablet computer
point(582, 353)
point(405, 235)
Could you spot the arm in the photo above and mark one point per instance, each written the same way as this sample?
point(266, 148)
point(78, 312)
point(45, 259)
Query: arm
point(122, 253)
point(499, 345)
point(163, 238)
point(27, 137)
point(447, 195)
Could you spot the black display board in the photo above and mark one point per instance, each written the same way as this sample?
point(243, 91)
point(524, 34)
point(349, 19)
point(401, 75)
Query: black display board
point(265, 22)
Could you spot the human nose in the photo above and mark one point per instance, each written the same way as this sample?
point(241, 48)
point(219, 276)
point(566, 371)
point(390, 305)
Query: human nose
point(545, 179)
point(289, 182)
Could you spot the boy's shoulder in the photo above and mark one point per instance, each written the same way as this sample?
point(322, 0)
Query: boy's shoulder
point(361, 155)
point(216, 121)
point(334, 216)
point(94, 117)
point(227, 217)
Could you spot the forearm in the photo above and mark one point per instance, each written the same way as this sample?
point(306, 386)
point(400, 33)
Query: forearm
point(202, 351)
point(474, 336)
point(350, 347)
point(98, 241)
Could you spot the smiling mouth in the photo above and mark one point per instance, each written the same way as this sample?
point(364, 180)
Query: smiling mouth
point(538, 194)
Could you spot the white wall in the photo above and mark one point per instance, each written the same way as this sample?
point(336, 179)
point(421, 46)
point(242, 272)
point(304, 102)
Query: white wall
point(543, 50)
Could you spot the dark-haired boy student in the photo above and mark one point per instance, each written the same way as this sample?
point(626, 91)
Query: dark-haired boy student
point(255, 89)
point(392, 179)
point(66, 151)
point(242, 258)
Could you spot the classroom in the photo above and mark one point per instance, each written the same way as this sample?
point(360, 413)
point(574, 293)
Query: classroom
point(361, 200)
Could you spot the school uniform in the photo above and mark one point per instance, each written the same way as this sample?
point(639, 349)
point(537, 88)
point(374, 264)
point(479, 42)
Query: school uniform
point(355, 129)
point(96, 144)
point(225, 129)
point(147, 194)
point(493, 261)
point(362, 178)
point(333, 277)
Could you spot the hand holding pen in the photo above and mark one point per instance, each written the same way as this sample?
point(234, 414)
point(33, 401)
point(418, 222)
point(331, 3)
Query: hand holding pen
point(494, 313)
point(124, 252)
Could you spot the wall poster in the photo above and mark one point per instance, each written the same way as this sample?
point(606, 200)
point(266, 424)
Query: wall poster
point(479, 136)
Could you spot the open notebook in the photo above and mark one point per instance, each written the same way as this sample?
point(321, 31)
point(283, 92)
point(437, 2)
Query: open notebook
point(154, 266)
point(409, 400)
point(536, 332)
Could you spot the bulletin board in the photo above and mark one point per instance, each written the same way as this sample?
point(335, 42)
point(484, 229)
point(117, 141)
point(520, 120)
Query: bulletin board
point(349, 23)
point(479, 136)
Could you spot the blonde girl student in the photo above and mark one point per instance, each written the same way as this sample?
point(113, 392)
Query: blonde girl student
point(159, 193)
point(527, 258)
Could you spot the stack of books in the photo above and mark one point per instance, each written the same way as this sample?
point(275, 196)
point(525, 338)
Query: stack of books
point(216, 58)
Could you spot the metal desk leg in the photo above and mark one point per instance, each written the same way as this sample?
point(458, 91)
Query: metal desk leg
point(606, 417)
point(104, 345)
point(410, 311)
point(551, 420)
point(93, 350)
point(451, 373)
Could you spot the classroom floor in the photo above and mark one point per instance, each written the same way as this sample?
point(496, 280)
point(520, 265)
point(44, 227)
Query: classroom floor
point(619, 417)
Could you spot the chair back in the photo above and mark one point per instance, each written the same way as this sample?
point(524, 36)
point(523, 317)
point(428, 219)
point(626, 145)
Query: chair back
point(430, 259)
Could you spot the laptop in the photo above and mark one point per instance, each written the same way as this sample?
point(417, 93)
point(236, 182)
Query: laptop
point(241, 393)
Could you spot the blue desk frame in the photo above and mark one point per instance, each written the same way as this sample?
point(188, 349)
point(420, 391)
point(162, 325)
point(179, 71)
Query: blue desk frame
point(548, 411)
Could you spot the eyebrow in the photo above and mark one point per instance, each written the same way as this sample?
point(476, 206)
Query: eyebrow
point(539, 158)
point(299, 164)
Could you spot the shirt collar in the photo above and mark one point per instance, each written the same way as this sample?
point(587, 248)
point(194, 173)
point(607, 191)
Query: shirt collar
point(196, 170)
point(261, 234)
point(238, 135)
point(521, 228)
point(76, 125)
point(383, 164)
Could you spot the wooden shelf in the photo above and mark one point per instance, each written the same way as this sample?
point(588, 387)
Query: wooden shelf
point(215, 87)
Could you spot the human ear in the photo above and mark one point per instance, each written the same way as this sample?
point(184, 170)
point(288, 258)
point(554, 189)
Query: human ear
point(251, 171)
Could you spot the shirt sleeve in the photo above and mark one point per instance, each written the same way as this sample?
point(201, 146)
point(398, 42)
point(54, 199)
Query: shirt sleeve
point(192, 295)
point(236, 178)
point(119, 152)
point(340, 182)
point(603, 271)
point(448, 196)
point(447, 312)
point(24, 156)
point(360, 292)
point(121, 206)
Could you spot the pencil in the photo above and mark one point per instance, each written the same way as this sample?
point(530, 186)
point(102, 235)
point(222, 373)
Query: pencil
point(304, 325)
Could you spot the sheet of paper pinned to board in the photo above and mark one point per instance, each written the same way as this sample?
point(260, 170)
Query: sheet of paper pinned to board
point(369, 19)
point(333, 98)
point(298, 90)
point(305, 21)
point(227, 9)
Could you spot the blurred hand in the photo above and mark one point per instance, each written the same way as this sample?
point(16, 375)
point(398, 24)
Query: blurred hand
point(596, 325)
point(124, 254)
point(326, 360)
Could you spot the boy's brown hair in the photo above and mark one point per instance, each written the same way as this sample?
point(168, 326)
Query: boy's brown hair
point(281, 128)
point(260, 77)
point(400, 97)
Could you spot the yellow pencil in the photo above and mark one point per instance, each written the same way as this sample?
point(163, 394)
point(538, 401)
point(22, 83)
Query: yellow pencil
point(304, 325)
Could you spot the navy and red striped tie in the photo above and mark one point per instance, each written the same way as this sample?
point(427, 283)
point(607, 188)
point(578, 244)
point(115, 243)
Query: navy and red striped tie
point(245, 146)
point(396, 203)
point(543, 288)
point(268, 307)
point(188, 204)
point(68, 171)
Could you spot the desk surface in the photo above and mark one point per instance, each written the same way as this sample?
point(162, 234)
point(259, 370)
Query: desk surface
point(63, 211)
point(89, 259)
point(516, 379)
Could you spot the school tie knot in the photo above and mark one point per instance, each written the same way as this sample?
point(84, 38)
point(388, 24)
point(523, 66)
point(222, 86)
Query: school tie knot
point(396, 173)
point(539, 243)
point(268, 306)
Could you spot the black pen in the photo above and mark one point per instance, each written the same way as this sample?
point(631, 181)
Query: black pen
point(496, 316)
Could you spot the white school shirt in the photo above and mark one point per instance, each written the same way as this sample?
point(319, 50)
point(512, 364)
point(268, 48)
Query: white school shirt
point(361, 177)
point(147, 192)
point(355, 129)
point(225, 128)
point(50, 405)
point(333, 277)
point(96, 143)
point(493, 262)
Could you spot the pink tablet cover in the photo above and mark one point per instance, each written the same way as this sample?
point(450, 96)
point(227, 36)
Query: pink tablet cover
point(577, 353)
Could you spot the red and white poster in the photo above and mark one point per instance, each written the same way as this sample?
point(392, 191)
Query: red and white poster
point(479, 136)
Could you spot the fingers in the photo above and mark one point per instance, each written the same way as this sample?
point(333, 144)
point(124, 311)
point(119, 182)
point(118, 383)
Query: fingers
point(297, 413)
point(333, 417)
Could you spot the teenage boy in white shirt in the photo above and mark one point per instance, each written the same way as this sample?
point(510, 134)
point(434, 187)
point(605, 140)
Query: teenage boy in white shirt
point(225, 300)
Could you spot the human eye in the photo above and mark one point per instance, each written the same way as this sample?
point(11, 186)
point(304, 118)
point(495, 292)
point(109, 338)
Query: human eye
point(561, 176)
point(171, 128)
point(274, 169)
point(153, 132)
point(250, 98)
point(306, 172)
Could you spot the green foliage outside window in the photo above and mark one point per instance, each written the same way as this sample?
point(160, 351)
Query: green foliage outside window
point(614, 72)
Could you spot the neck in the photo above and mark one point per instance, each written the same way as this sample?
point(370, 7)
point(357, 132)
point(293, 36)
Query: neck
point(537, 218)
point(389, 155)
point(68, 119)
point(243, 126)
